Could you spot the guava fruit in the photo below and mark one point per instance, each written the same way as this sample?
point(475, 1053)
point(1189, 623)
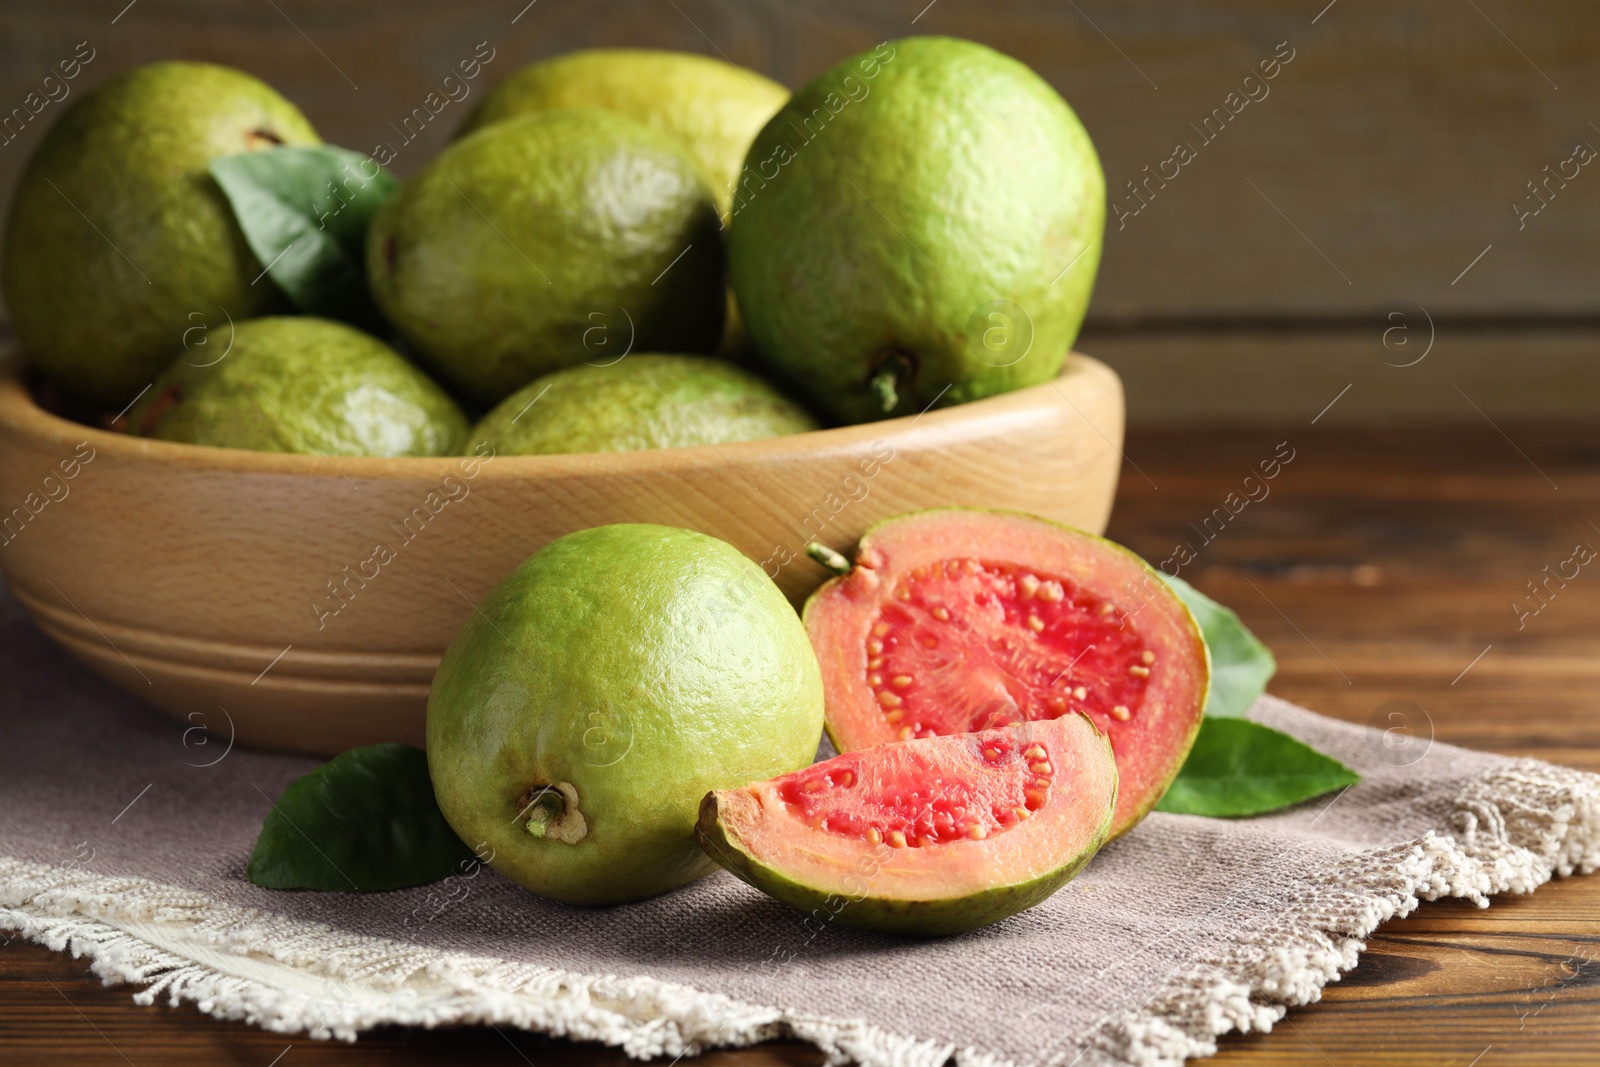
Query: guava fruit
point(935, 835)
point(712, 108)
point(543, 241)
point(961, 619)
point(119, 240)
point(921, 224)
point(298, 384)
point(644, 401)
point(599, 691)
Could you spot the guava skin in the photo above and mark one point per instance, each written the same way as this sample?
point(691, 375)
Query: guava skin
point(100, 300)
point(931, 209)
point(640, 666)
point(644, 401)
point(907, 918)
point(299, 384)
point(713, 109)
point(543, 241)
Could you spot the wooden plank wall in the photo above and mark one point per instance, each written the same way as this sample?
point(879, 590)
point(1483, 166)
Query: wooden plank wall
point(1368, 185)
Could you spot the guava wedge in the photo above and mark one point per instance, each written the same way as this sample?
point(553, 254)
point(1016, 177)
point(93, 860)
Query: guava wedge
point(937, 835)
point(959, 619)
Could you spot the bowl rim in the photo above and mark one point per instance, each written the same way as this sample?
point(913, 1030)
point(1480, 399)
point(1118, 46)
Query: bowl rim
point(21, 416)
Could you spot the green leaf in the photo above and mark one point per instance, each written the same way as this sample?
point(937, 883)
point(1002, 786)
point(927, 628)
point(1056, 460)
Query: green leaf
point(1241, 666)
point(304, 212)
point(1238, 767)
point(364, 822)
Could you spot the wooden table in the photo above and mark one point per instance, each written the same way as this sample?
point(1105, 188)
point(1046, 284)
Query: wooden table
point(1382, 567)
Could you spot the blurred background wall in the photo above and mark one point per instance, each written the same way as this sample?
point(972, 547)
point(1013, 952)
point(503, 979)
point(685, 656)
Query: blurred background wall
point(1404, 218)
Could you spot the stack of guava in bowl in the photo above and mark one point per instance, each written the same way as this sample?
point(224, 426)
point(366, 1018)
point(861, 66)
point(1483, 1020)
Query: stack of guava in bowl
point(629, 251)
point(597, 212)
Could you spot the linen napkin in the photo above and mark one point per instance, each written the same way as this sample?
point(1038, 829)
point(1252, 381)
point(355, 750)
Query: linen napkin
point(124, 837)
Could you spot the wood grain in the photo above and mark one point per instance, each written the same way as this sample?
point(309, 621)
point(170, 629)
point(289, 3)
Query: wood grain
point(1381, 564)
point(312, 597)
point(1400, 370)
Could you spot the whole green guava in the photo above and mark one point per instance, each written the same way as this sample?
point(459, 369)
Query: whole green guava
point(298, 384)
point(642, 401)
point(599, 692)
point(510, 254)
point(712, 108)
point(119, 240)
point(921, 224)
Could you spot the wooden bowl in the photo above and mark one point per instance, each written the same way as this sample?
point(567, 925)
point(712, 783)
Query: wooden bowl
point(307, 600)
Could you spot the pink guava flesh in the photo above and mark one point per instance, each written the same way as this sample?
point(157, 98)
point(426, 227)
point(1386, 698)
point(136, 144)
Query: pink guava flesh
point(915, 797)
point(933, 835)
point(959, 620)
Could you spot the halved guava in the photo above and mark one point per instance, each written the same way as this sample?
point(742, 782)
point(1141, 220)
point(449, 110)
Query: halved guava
point(930, 836)
point(958, 619)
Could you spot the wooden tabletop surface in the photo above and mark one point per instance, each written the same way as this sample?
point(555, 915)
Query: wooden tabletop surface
point(1383, 567)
